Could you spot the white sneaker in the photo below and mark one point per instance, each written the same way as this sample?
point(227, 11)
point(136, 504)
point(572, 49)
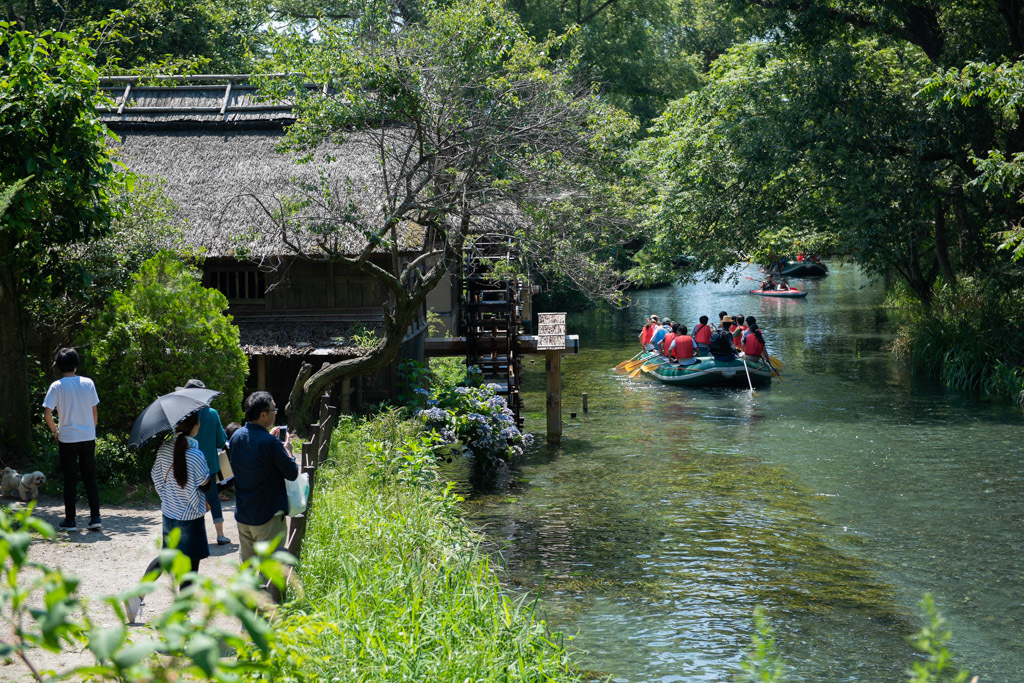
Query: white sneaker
point(133, 606)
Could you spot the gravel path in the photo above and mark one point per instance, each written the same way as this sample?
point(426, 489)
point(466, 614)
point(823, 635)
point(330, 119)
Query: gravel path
point(110, 561)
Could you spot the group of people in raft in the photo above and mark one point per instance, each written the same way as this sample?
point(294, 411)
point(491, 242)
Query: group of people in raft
point(674, 341)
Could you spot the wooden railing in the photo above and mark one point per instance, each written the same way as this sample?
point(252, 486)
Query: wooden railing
point(314, 453)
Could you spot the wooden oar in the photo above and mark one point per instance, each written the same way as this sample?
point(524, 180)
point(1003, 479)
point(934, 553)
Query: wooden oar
point(774, 370)
point(775, 362)
point(634, 364)
point(622, 366)
point(647, 367)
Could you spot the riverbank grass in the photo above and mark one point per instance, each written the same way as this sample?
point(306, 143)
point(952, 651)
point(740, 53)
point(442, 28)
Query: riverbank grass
point(396, 587)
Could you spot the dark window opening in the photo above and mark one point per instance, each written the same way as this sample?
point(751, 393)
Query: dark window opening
point(238, 284)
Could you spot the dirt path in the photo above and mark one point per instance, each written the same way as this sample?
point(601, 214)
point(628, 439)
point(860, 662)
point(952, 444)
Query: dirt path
point(110, 561)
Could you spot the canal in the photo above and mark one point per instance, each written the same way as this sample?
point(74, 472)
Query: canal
point(834, 499)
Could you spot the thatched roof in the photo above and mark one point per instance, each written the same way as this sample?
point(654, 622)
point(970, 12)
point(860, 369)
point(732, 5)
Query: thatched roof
point(224, 101)
point(225, 183)
point(295, 339)
point(327, 337)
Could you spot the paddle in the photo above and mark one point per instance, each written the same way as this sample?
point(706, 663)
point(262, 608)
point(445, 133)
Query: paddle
point(647, 367)
point(747, 370)
point(634, 364)
point(622, 365)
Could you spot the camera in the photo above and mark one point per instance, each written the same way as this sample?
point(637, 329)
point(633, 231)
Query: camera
point(282, 433)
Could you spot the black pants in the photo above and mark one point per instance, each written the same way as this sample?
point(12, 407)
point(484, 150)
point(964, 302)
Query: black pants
point(75, 458)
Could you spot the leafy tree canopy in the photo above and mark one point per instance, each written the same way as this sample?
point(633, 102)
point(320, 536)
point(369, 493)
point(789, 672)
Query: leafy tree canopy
point(53, 147)
point(476, 129)
point(165, 329)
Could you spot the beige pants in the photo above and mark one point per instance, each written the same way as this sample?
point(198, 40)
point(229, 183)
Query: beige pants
point(249, 535)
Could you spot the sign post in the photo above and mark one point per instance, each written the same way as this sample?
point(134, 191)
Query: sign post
point(551, 339)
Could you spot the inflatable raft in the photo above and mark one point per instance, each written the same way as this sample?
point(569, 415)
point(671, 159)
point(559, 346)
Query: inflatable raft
point(780, 293)
point(804, 269)
point(708, 372)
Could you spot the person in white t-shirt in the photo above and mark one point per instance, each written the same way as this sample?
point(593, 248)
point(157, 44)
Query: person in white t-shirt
point(74, 400)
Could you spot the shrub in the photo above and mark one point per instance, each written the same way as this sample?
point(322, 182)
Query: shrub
point(963, 338)
point(165, 329)
point(471, 420)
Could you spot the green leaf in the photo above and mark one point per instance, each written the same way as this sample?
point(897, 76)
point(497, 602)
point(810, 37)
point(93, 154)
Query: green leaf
point(205, 652)
point(104, 642)
point(133, 654)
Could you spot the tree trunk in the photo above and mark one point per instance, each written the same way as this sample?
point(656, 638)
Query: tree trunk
point(15, 428)
point(941, 246)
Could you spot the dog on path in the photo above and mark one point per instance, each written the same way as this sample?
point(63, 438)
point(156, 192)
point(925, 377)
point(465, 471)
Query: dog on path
point(23, 486)
point(28, 488)
point(9, 482)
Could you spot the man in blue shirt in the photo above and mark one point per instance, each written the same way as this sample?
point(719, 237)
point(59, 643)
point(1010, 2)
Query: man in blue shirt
point(261, 464)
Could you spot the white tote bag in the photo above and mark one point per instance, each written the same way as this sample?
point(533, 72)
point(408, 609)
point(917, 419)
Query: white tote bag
point(298, 494)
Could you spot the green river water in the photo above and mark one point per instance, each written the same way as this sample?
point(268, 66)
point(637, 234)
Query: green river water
point(835, 499)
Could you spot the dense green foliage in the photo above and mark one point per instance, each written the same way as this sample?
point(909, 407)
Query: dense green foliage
point(474, 128)
point(963, 338)
point(52, 147)
point(165, 329)
point(155, 36)
point(396, 585)
point(43, 610)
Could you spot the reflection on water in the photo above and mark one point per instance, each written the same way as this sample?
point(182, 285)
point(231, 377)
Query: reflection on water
point(835, 498)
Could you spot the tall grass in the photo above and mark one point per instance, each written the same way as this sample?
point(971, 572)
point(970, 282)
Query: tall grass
point(970, 337)
point(396, 587)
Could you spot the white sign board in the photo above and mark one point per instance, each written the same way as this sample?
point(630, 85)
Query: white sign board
point(550, 331)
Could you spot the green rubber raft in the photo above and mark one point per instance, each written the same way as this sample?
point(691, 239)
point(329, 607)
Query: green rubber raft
point(708, 372)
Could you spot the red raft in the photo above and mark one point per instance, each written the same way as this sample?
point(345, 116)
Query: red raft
point(780, 293)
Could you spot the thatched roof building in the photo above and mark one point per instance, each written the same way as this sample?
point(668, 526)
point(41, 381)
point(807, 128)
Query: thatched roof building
point(213, 145)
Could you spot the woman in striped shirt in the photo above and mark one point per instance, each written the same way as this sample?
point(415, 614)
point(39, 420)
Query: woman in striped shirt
point(180, 475)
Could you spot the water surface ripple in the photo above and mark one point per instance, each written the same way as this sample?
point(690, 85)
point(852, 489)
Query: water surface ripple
point(834, 499)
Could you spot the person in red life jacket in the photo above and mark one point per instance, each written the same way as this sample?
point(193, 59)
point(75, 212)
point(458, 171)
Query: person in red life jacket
point(737, 329)
point(753, 342)
point(721, 346)
point(783, 286)
point(648, 332)
point(683, 348)
point(667, 341)
point(659, 335)
point(702, 335)
point(800, 257)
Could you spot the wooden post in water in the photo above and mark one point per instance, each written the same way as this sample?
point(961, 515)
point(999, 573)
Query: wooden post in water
point(551, 338)
point(553, 370)
point(584, 402)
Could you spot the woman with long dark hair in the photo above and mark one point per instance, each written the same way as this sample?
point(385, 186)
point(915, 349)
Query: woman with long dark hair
point(180, 475)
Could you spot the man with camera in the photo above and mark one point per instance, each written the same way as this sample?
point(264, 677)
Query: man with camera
point(261, 459)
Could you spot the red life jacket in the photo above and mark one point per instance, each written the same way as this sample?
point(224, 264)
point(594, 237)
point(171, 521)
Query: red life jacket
point(684, 347)
point(645, 336)
point(667, 342)
point(702, 335)
point(737, 339)
point(753, 347)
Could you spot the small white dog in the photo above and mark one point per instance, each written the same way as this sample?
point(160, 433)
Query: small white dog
point(28, 488)
point(9, 482)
